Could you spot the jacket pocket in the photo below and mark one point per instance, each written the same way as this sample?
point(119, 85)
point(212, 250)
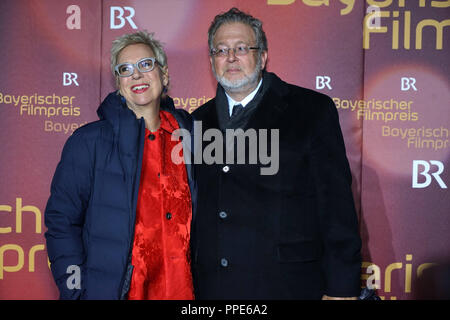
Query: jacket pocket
point(298, 251)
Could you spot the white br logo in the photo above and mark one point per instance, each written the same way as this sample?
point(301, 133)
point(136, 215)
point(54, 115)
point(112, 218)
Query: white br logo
point(425, 172)
point(121, 18)
point(70, 78)
point(408, 83)
point(322, 82)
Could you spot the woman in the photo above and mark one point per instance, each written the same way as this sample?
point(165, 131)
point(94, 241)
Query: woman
point(120, 209)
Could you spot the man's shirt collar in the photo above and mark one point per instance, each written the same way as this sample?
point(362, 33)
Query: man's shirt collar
point(245, 101)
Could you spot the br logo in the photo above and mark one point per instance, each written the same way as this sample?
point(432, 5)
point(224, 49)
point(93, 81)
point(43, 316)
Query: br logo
point(323, 82)
point(408, 84)
point(70, 78)
point(122, 14)
point(424, 168)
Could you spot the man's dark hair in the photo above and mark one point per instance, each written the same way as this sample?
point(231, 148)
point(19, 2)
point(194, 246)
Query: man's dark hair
point(236, 15)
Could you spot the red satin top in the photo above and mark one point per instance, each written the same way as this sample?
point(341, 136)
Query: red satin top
point(161, 256)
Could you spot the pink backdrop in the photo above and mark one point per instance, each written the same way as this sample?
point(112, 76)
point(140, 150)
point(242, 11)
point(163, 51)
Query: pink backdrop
point(390, 85)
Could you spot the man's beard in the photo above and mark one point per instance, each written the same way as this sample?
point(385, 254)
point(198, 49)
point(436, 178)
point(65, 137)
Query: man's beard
point(239, 85)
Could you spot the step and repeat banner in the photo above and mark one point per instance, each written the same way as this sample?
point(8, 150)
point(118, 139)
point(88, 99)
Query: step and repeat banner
point(386, 64)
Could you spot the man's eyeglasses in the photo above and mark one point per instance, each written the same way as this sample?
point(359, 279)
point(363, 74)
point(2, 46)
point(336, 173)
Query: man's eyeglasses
point(240, 50)
point(127, 69)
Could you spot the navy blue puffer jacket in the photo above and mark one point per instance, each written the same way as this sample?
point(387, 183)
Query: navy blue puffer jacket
point(90, 215)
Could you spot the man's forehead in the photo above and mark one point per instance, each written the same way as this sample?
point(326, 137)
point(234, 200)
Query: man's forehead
point(234, 31)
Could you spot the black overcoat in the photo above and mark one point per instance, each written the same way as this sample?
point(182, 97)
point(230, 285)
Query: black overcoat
point(289, 235)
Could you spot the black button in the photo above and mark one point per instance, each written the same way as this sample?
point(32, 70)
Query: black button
point(151, 136)
point(168, 216)
point(222, 214)
point(224, 262)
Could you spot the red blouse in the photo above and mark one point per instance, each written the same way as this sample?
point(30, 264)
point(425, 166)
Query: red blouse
point(161, 256)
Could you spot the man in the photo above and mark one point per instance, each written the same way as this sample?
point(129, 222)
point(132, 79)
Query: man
point(288, 234)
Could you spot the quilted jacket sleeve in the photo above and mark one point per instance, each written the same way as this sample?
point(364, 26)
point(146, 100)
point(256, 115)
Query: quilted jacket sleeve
point(64, 216)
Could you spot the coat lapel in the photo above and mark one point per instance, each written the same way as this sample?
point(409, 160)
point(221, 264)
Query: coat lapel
point(211, 119)
point(272, 106)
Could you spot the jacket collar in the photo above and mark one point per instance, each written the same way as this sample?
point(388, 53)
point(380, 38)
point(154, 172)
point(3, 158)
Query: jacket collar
point(114, 107)
point(124, 122)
